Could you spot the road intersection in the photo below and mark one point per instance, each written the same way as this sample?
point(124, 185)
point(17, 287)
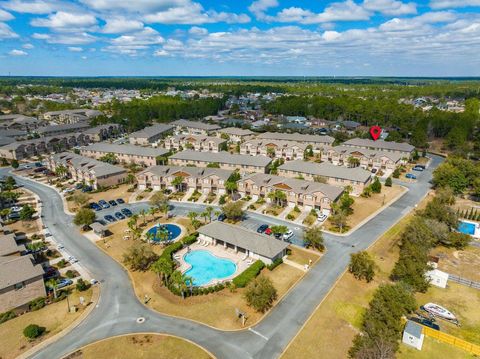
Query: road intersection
point(118, 307)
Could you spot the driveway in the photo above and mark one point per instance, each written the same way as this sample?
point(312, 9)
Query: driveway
point(118, 307)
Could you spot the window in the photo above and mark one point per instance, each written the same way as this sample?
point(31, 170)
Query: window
point(19, 286)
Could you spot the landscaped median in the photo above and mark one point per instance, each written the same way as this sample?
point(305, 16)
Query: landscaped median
point(220, 307)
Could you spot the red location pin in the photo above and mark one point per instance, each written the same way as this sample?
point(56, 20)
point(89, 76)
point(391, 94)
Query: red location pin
point(375, 132)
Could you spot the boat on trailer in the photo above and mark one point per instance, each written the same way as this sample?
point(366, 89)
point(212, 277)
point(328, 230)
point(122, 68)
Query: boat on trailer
point(439, 311)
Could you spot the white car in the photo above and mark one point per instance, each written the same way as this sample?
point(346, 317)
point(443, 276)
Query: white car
point(68, 190)
point(322, 217)
point(93, 281)
point(15, 209)
point(72, 259)
point(288, 235)
point(60, 246)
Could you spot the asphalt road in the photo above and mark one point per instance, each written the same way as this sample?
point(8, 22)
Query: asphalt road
point(118, 307)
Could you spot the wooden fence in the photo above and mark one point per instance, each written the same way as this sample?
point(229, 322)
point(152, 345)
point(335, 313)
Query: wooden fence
point(450, 339)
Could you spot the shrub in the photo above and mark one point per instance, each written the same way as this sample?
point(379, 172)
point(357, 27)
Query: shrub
point(396, 173)
point(70, 274)
point(260, 294)
point(82, 285)
point(388, 182)
point(222, 200)
point(192, 238)
point(362, 266)
point(7, 316)
point(248, 274)
point(33, 331)
point(275, 264)
point(36, 304)
point(290, 217)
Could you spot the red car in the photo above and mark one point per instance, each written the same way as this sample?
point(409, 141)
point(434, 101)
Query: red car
point(268, 231)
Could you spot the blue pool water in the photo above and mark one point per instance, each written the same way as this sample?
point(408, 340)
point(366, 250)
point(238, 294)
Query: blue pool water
point(466, 227)
point(172, 229)
point(207, 267)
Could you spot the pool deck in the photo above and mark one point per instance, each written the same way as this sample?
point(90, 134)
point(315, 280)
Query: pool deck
point(217, 251)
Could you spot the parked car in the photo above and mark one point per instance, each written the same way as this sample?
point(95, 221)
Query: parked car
point(87, 189)
point(222, 217)
point(127, 212)
point(79, 186)
point(418, 168)
point(119, 215)
point(110, 218)
point(262, 228)
point(39, 169)
point(15, 209)
point(103, 204)
point(38, 164)
point(112, 203)
point(426, 322)
point(411, 176)
point(93, 281)
point(421, 166)
point(120, 201)
point(268, 231)
point(50, 272)
point(14, 215)
point(322, 217)
point(72, 259)
point(374, 170)
point(64, 283)
point(95, 206)
point(60, 246)
point(288, 235)
point(68, 190)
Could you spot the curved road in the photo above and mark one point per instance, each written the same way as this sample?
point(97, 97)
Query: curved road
point(118, 307)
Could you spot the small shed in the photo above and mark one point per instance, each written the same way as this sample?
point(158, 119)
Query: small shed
point(437, 278)
point(99, 229)
point(413, 335)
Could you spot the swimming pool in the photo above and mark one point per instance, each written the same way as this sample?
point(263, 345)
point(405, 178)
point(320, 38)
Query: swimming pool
point(206, 267)
point(162, 232)
point(466, 227)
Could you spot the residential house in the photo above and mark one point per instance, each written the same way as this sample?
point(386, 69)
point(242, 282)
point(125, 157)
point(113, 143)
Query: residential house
point(150, 134)
point(357, 177)
point(87, 170)
point(21, 280)
point(145, 156)
point(236, 134)
point(316, 141)
point(405, 149)
point(288, 150)
point(197, 143)
point(13, 134)
point(205, 180)
point(19, 122)
point(306, 194)
point(194, 127)
point(71, 116)
point(225, 160)
point(54, 130)
point(103, 132)
point(9, 246)
point(241, 240)
point(366, 158)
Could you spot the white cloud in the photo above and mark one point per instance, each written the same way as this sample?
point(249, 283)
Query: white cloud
point(337, 11)
point(131, 44)
point(28, 46)
point(390, 7)
point(81, 38)
point(140, 6)
point(417, 23)
point(450, 4)
point(197, 31)
point(36, 6)
point(6, 32)
point(160, 53)
point(5, 16)
point(66, 22)
point(84, 57)
point(121, 24)
point(17, 53)
point(259, 7)
point(75, 49)
point(194, 15)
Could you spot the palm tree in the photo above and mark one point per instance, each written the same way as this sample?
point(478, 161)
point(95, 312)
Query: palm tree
point(152, 212)
point(52, 283)
point(163, 268)
point(143, 214)
point(204, 214)
point(61, 171)
point(278, 197)
point(180, 281)
point(209, 211)
point(193, 217)
point(150, 237)
point(177, 182)
point(231, 187)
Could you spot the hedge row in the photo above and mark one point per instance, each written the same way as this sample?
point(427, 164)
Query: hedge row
point(7, 316)
point(275, 264)
point(250, 273)
point(198, 290)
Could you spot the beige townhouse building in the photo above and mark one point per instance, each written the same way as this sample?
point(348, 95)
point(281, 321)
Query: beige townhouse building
point(71, 116)
point(305, 194)
point(103, 132)
point(368, 159)
point(150, 134)
point(404, 149)
point(287, 150)
point(357, 178)
point(236, 135)
point(54, 130)
point(194, 127)
point(316, 141)
point(225, 160)
point(193, 142)
point(87, 170)
point(125, 154)
point(20, 122)
point(205, 180)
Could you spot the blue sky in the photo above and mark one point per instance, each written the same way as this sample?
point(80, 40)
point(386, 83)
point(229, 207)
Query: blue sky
point(242, 38)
